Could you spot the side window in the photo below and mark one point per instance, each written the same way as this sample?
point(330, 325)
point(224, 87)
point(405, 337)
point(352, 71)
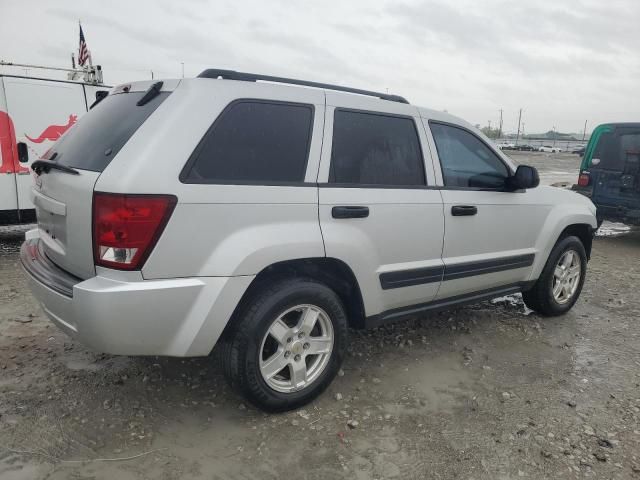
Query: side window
point(375, 149)
point(607, 151)
point(254, 142)
point(465, 160)
point(630, 151)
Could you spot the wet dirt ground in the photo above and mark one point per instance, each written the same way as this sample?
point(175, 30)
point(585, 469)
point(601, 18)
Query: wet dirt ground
point(490, 391)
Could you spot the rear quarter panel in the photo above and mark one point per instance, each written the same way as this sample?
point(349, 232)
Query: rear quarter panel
point(218, 230)
point(227, 239)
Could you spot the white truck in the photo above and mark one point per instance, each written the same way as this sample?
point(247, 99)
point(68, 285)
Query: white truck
point(34, 113)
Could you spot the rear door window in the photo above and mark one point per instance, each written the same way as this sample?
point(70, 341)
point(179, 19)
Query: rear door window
point(607, 151)
point(99, 135)
point(254, 142)
point(375, 149)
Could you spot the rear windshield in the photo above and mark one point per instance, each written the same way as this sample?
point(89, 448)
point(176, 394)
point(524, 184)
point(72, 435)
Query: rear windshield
point(100, 134)
point(615, 149)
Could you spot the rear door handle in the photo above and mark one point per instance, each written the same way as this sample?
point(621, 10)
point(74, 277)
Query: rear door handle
point(350, 211)
point(463, 210)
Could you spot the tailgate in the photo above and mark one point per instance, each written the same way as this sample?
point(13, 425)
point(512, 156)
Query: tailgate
point(63, 207)
point(63, 199)
point(616, 173)
point(615, 188)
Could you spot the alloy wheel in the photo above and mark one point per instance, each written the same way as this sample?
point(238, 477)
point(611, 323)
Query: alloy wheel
point(296, 349)
point(566, 276)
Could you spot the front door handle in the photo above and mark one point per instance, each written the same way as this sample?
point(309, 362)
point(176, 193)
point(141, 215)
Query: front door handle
point(463, 210)
point(350, 211)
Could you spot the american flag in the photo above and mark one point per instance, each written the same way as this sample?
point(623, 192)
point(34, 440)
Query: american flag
point(83, 51)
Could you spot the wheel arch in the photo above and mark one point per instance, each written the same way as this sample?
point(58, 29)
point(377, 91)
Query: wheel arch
point(332, 272)
point(563, 220)
point(583, 231)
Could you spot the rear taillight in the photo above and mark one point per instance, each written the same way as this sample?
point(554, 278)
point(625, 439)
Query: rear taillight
point(127, 227)
point(583, 179)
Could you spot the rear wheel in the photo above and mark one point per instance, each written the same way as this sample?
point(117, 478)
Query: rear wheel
point(286, 345)
point(560, 283)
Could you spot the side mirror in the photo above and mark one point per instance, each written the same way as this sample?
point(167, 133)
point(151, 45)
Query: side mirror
point(525, 177)
point(23, 152)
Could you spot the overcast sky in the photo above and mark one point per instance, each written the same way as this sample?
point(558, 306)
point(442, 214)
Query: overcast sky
point(562, 61)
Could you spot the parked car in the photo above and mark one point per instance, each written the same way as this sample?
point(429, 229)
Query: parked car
point(270, 217)
point(579, 150)
point(549, 149)
point(34, 113)
point(506, 146)
point(610, 172)
point(525, 148)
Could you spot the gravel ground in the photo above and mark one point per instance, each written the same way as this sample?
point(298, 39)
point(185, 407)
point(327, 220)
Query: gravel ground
point(491, 391)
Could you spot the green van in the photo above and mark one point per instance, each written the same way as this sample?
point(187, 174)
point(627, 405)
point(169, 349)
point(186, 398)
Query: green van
point(610, 172)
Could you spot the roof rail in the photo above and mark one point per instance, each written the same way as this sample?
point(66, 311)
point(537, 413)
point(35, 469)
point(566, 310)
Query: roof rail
point(254, 77)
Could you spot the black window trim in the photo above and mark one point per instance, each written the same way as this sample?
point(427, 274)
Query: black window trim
point(329, 184)
point(461, 127)
point(186, 170)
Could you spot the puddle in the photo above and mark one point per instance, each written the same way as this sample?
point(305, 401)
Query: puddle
point(440, 383)
point(13, 469)
point(11, 237)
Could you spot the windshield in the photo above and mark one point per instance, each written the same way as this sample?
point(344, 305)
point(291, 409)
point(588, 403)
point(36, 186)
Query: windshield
point(100, 134)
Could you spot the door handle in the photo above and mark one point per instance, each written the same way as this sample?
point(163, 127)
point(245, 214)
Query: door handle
point(350, 211)
point(463, 210)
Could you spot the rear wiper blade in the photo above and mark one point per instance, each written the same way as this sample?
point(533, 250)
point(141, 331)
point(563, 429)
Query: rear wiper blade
point(152, 92)
point(43, 166)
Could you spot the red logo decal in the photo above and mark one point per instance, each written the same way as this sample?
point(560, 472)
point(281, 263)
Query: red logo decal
point(54, 132)
point(8, 146)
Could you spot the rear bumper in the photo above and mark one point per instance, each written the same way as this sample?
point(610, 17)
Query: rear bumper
point(586, 191)
point(175, 317)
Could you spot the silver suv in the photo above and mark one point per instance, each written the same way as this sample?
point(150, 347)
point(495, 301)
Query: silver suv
point(270, 217)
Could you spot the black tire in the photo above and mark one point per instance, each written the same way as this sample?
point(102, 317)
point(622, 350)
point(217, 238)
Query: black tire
point(540, 297)
point(241, 348)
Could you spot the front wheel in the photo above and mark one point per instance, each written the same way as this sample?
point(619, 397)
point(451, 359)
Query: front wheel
point(286, 345)
point(560, 283)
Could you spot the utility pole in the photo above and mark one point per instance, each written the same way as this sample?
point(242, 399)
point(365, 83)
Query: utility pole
point(553, 129)
point(584, 132)
point(523, 130)
point(519, 119)
point(182, 63)
point(489, 126)
point(151, 74)
point(500, 128)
